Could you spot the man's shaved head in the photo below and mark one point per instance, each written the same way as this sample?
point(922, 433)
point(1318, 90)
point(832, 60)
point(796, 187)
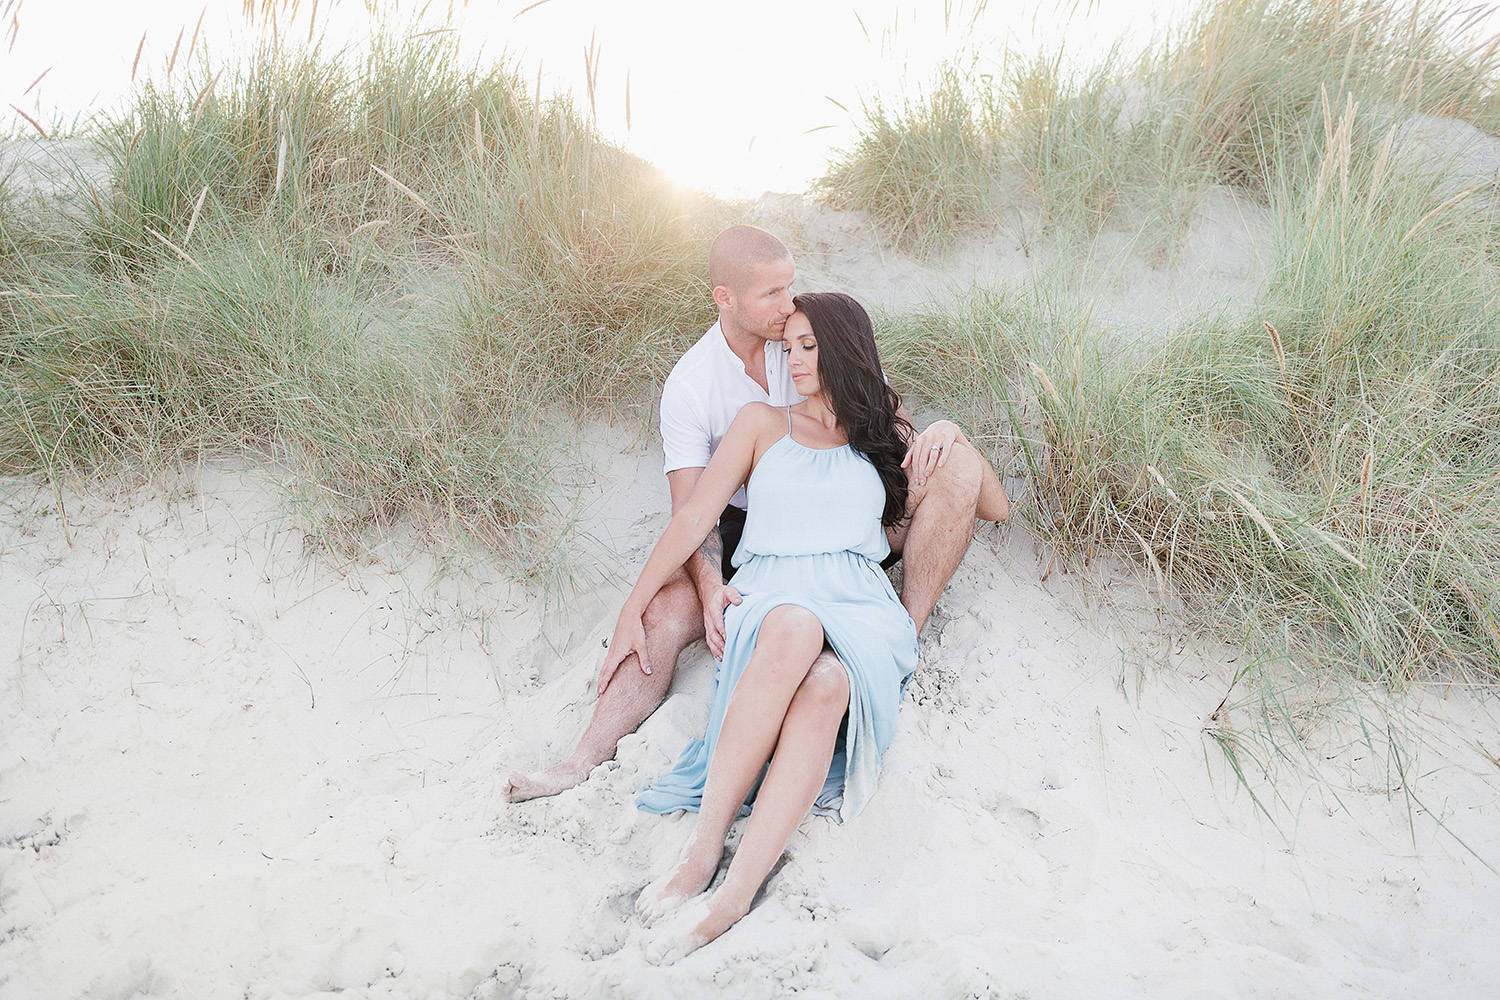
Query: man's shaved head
point(739, 252)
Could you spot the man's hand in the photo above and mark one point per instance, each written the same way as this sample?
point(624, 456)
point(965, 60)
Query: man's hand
point(629, 637)
point(929, 449)
point(715, 603)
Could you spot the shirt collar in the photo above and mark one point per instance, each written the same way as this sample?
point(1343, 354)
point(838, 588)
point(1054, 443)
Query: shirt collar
point(721, 342)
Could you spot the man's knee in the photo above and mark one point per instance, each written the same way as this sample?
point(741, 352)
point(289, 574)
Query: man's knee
point(675, 616)
point(957, 482)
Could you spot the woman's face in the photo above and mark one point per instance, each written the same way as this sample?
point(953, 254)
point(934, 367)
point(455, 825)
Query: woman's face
point(801, 354)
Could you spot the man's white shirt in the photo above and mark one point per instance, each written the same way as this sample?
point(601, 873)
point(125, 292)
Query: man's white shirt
point(707, 387)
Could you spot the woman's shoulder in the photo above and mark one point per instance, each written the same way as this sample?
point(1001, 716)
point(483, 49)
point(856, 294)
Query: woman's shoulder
point(760, 414)
point(757, 422)
point(761, 423)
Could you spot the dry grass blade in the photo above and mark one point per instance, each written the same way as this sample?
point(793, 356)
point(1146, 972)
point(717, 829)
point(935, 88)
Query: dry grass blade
point(1051, 389)
point(1449, 203)
point(179, 251)
point(281, 145)
point(418, 199)
point(1337, 546)
point(1161, 578)
point(172, 63)
point(13, 8)
point(30, 121)
point(591, 73)
point(32, 86)
point(1256, 516)
point(193, 43)
point(1280, 352)
point(203, 93)
point(134, 63)
point(1171, 493)
point(197, 207)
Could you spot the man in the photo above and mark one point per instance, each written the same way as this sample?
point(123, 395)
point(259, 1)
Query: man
point(740, 360)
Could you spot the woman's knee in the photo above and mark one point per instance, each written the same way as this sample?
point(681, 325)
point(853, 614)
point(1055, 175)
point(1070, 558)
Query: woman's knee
point(792, 625)
point(786, 645)
point(825, 689)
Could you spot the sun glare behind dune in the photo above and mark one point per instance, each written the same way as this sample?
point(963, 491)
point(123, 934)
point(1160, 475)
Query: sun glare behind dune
point(719, 98)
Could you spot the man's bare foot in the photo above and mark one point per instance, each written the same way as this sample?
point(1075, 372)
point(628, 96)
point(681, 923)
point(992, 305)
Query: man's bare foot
point(689, 877)
point(694, 926)
point(557, 778)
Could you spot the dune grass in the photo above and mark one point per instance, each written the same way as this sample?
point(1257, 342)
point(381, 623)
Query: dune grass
point(1248, 78)
point(1312, 478)
point(1315, 476)
point(385, 270)
point(11, 239)
point(584, 270)
point(922, 168)
point(391, 273)
point(1321, 474)
point(250, 347)
point(1229, 97)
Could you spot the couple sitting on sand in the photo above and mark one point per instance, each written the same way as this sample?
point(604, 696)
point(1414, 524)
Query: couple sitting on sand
point(786, 450)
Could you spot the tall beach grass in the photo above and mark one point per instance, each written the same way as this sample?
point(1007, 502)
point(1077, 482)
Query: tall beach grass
point(386, 270)
point(922, 168)
point(1321, 474)
point(1230, 96)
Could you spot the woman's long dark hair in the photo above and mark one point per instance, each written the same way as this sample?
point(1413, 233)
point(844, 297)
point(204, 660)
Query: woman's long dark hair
point(854, 387)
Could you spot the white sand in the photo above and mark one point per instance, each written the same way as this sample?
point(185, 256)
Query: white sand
point(234, 767)
point(233, 764)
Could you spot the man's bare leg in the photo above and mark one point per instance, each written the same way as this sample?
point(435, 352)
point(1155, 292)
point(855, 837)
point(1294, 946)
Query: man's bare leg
point(673, 620)
point(942, 521)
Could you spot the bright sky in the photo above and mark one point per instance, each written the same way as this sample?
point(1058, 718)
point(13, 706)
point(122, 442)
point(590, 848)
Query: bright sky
point(738, 98)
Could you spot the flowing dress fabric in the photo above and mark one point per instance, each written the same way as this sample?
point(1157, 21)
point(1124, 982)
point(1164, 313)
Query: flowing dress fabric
point(812, 538)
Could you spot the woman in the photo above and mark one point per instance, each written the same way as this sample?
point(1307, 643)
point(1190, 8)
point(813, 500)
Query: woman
point(824, 479)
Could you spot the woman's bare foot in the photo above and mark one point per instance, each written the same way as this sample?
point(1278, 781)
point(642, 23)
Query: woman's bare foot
point(557, 778)
point(694, 926)
point(689, 877)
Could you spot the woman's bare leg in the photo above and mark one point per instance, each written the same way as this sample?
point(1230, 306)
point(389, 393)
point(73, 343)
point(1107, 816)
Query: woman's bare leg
point(789, 641)
point(796, 775)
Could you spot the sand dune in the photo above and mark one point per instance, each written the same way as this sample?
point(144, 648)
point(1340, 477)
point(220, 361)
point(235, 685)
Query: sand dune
point(235, 763)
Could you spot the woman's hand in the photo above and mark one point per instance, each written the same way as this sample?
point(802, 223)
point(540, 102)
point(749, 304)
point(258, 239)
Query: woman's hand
point(929, 450)
point(715, 603)
point(629, 637)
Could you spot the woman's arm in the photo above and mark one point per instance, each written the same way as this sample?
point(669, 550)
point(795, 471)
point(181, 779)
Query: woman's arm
point(726, 472)
point(929, 451)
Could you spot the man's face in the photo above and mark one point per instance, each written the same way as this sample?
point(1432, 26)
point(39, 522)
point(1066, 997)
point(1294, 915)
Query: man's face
point(762, 308)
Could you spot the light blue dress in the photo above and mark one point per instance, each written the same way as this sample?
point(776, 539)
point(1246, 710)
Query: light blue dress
point(812, 538)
